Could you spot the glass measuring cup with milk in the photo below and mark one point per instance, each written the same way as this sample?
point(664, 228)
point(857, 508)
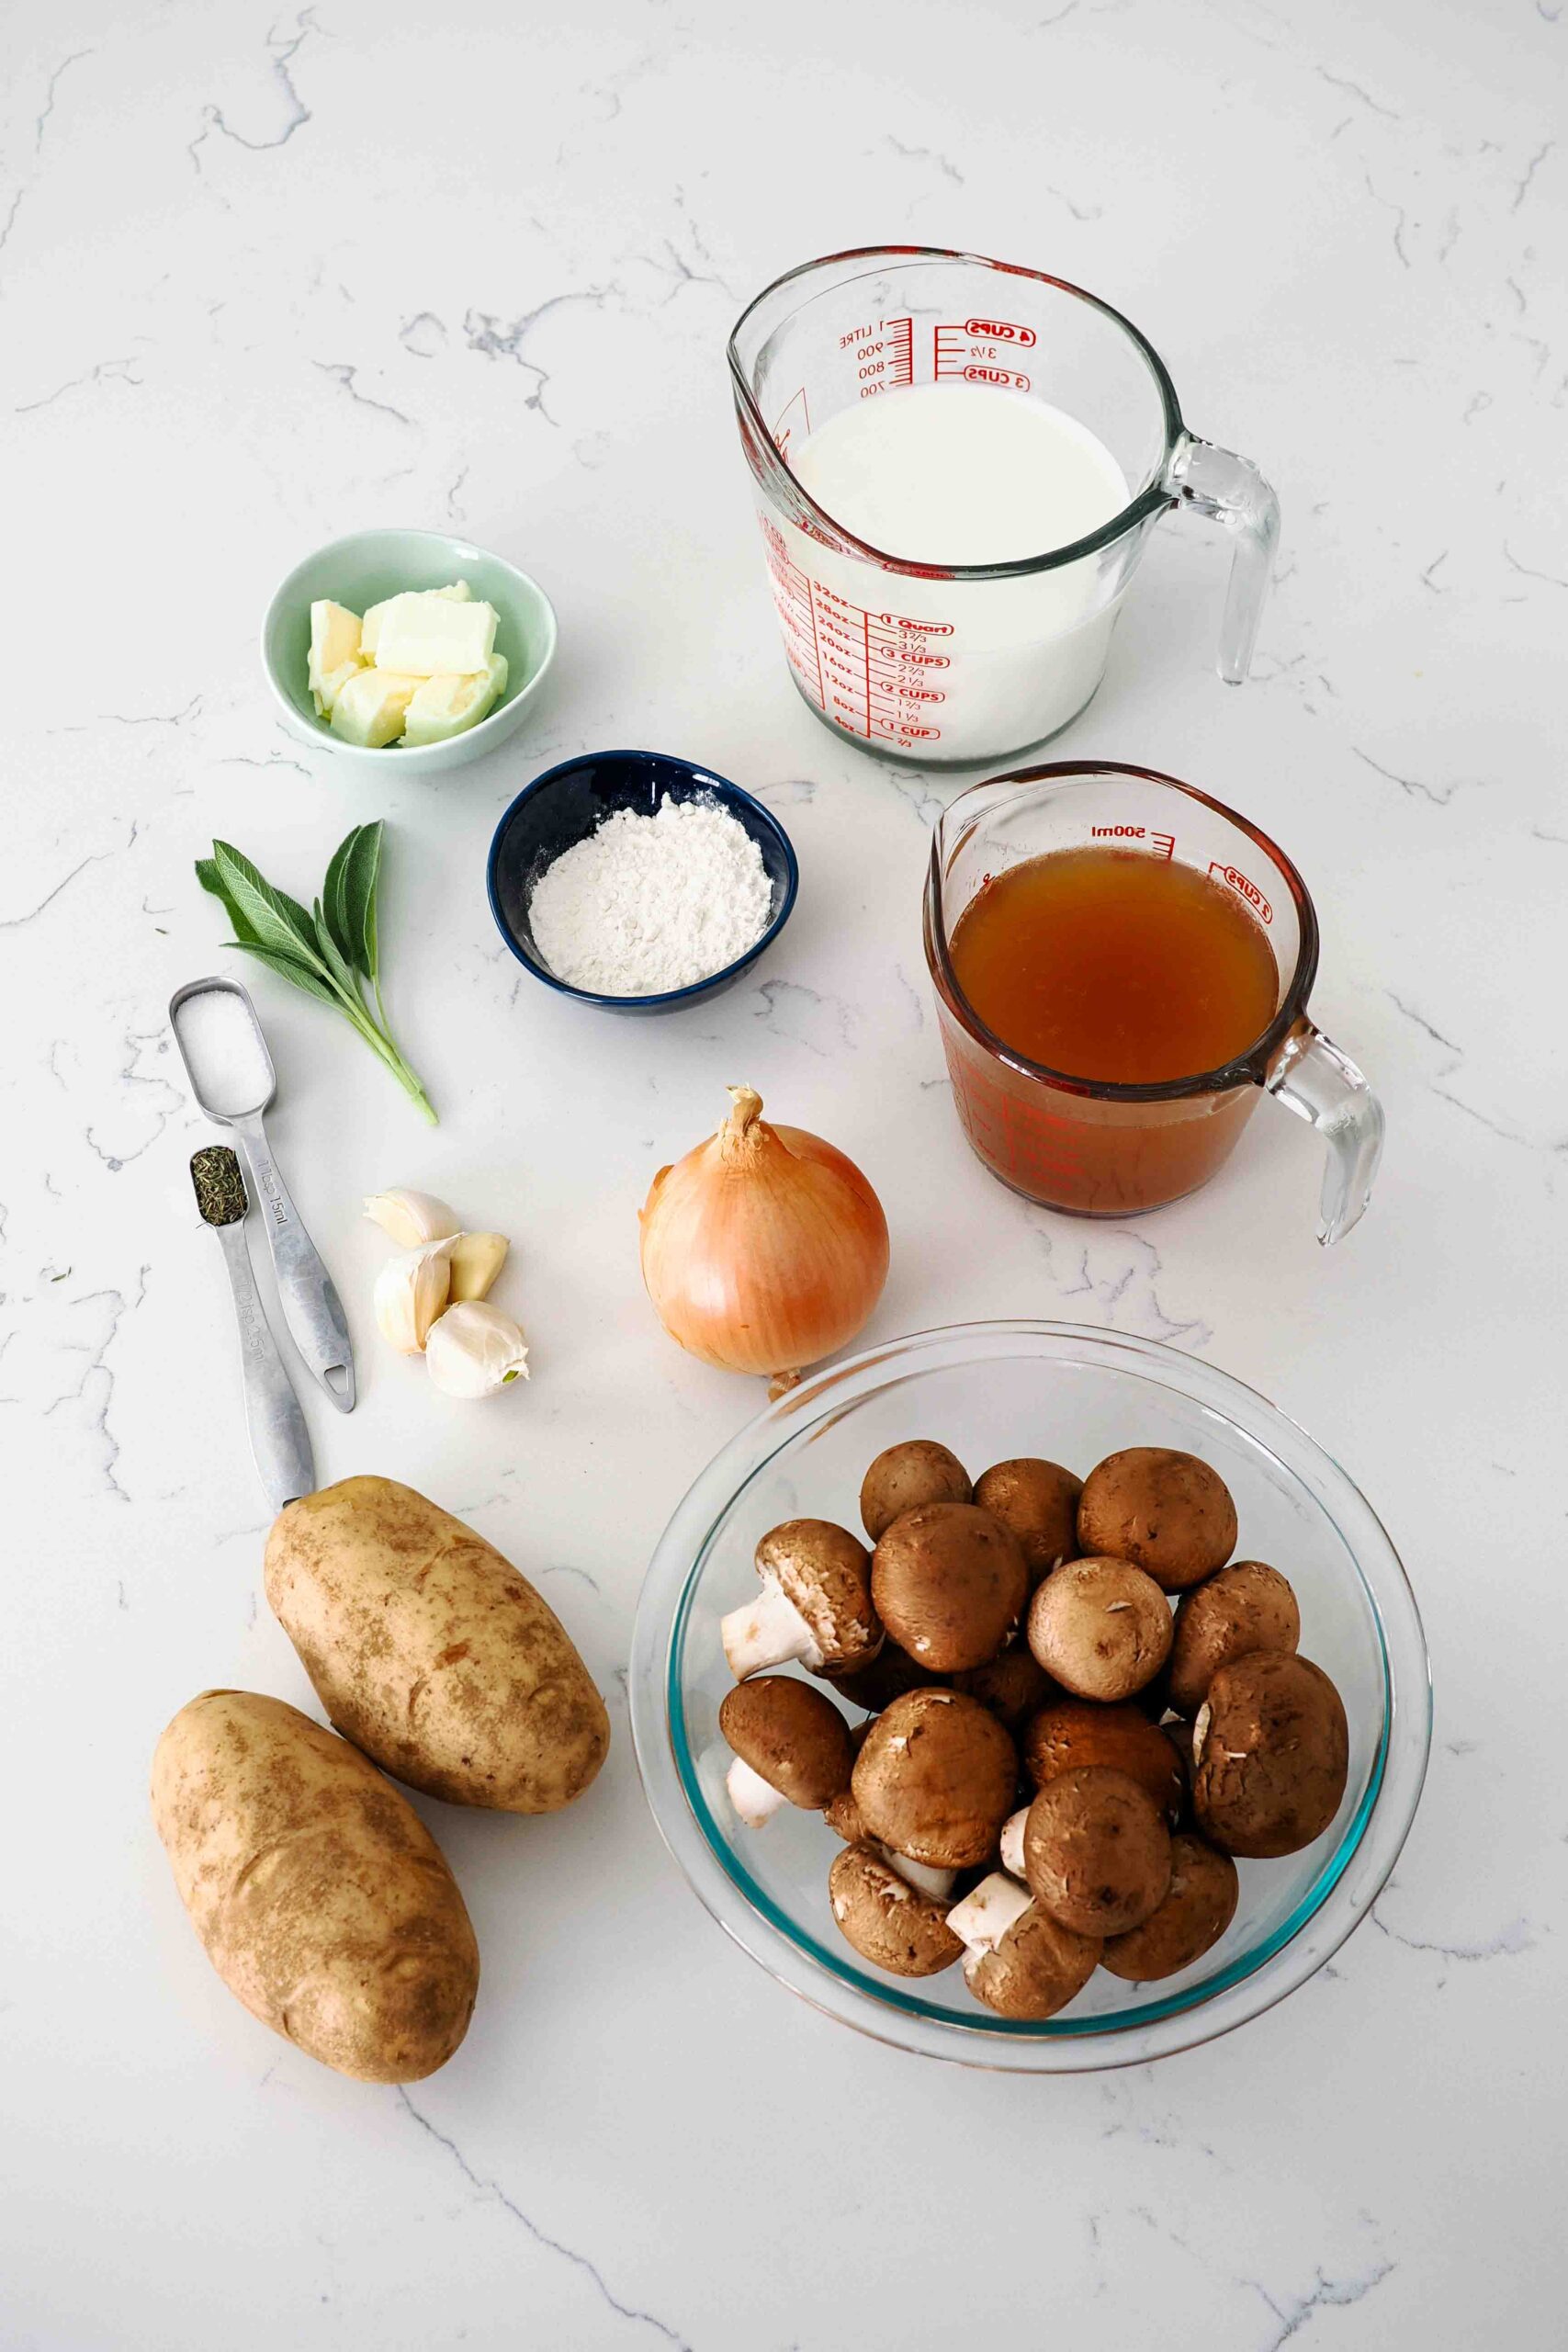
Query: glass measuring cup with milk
point(957, 464)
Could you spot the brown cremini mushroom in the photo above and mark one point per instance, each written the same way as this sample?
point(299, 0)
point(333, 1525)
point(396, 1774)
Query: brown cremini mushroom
point(1096, 1852)
point(1039, 1500)
point(891, 1672)
point(791, 1745)
point(950, 1584)
point(1074, 1732)
point(1198, 1906)
point(1100, 1626)
point(1015, 1686)
point(814, 1604)
point(1166, 1512)
point(936, 1779)
point(1270, 1752)
point(903, 1476)
point(1248, 1606)
point(890, 1922)
point(1018, 1960)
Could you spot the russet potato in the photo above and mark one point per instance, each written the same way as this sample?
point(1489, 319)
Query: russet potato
point(322, 1899)
point(431, 1653)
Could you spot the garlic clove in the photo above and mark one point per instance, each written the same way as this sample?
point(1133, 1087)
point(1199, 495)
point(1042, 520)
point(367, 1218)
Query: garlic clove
point(474, 1349)
point(411, 1219)
point(411, 1292)
point(477, 1259)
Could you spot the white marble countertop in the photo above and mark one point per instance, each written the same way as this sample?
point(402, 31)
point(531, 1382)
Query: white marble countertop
point(265, 279)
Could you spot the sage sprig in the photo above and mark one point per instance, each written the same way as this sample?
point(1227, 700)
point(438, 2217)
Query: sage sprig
point(330, 950)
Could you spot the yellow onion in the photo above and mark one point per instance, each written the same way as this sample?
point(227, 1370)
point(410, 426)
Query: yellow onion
point(765, 1249)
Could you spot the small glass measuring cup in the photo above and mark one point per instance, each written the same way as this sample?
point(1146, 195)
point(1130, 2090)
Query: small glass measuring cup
point(949, 664)
point(1110, 1150)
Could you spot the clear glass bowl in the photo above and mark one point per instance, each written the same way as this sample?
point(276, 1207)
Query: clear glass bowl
point(991, 1390)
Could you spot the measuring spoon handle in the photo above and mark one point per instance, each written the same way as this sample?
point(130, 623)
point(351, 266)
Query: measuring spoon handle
point(312, 1307)
point(280, 1438)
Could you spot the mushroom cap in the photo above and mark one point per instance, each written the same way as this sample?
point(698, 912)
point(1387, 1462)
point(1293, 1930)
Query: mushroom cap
point(1074, 1732)
point(936, 1779)
point(791, 1735)
point(1248, 1606)
point(1096, 1852)
point(874, 1686)
point(1198, 1906)
point(1100, 1626)
point(1035, 1969)
point(950, 1584)
point(888, 1921)
point(825, 1573)
point(1039, 1500)
point(918, 1471)
point(1015, 1686)
point(843, 1818)
point(1166, 1512)
point(1271, 1755)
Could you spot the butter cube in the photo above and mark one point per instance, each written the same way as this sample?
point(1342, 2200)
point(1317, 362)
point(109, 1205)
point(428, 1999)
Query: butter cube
point(459, 592)
point(371, 706)
point(431, 636)
point(334, 640)
point(333, 684)
point(370, 628)
point(449, 705)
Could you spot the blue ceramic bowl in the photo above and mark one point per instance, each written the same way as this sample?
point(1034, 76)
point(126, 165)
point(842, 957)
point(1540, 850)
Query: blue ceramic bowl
point(567, 803)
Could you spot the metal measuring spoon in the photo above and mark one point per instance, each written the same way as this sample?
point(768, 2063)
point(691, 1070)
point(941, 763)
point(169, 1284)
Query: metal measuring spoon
point(312, 1307)
point(279, 1439)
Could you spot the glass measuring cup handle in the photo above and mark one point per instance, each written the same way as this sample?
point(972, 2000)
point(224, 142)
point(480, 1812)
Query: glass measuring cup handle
point(1321, 1085)
point(1231, 491)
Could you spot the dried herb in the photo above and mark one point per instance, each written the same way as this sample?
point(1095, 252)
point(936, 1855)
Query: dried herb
point(220, 1187)
point(330, 950)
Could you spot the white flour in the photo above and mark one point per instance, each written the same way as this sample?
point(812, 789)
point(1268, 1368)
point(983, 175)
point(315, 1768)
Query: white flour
point(651, 903)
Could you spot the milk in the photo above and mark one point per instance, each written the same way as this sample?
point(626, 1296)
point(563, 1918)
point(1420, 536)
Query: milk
point(949, 473)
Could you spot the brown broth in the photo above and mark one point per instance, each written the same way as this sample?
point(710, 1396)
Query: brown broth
point(1109, 963)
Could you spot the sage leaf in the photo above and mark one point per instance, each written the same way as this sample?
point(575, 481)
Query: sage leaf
point(289, 968)
point(279, 921)
point(206, 874)
point(336, 962)
point(361, 875)
point(335, 897)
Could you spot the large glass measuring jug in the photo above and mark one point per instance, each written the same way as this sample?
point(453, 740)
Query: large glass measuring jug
point(945, 664)
point(1108, 1150)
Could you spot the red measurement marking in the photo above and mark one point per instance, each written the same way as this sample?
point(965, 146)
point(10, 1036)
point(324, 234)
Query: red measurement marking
point(1010, 379)
point(1245, 888)
point(1162, 846)
point(1000, 330)
point(901, 337)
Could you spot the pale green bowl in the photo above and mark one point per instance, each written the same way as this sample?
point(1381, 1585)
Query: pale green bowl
point(358, 572)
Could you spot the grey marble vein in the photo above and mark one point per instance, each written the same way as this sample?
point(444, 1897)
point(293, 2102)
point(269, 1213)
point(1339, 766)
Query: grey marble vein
point(492, 2191)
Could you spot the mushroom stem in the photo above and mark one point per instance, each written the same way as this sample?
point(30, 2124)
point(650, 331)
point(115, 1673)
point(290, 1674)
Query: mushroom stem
point(1012, 1841)
point(755, 1799)
point(982, 1919)
point(925, 1877)
point(769, 1630)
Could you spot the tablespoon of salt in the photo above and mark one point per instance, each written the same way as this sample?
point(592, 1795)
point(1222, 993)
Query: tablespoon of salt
point(233, 1078)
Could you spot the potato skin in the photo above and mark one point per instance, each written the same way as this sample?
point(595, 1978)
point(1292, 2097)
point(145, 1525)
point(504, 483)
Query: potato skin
point(320, 1897)
point(431, 1653)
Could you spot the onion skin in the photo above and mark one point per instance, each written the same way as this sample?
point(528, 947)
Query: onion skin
point(765, 1249)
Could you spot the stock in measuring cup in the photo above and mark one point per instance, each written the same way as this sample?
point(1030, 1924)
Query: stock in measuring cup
point(948, 663)
point(1104, 1149)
